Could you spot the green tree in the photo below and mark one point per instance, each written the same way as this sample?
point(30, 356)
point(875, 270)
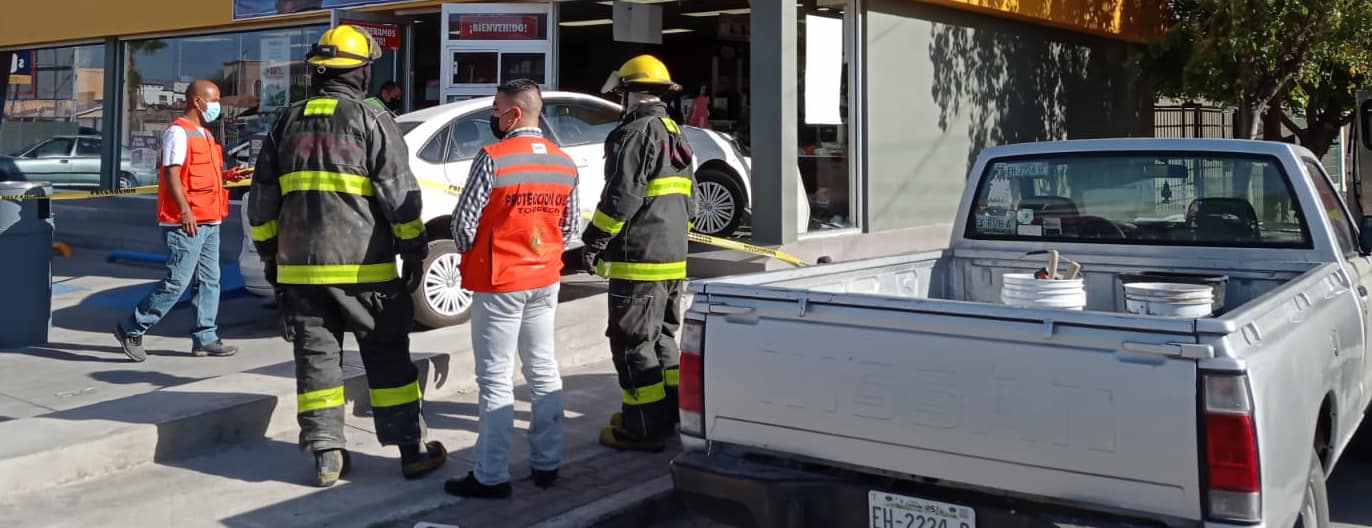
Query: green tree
point(134, 78)
point(1326, 94)
point(1253, 53)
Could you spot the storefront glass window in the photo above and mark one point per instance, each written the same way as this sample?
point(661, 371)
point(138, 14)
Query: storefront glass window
point(259, 74)
point(52, 117)
point(824, 50)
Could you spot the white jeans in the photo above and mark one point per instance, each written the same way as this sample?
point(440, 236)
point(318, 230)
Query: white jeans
point(503, 323)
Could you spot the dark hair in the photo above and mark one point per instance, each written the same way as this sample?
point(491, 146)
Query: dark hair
point(389, 85)
point(525, 93)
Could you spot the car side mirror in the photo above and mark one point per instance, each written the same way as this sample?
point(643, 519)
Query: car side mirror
point(1365, 235)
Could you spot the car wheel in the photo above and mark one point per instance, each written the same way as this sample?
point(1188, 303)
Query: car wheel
point(1315, 507)
point(719, 203)
point(125, 181)
point(440, 300)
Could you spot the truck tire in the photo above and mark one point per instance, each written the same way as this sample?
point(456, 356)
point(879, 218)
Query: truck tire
point(440, 300)
point(1315, 507)
point(720, 199)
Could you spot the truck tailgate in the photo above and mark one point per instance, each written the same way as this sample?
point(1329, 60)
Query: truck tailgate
point(1061, 411)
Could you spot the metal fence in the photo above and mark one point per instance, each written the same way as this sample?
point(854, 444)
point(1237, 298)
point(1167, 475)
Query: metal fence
point(1192, 121)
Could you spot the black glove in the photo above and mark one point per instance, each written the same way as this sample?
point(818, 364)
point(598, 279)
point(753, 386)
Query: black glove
point(287, 332)
point(412, 272)
point(269, 271)
point(588, 258)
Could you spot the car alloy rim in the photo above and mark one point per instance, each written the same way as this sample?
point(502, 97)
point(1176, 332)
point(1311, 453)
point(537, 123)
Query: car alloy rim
point(716, 207)
point(443, 286)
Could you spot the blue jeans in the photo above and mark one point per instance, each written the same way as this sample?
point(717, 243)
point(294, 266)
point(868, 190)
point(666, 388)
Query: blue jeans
point(191, 260)
point(501, 324)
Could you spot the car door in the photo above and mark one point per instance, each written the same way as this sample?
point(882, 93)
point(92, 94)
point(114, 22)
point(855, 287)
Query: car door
point(85, 164)
point(1357, 375)
point(582, 127)
point(48, 161)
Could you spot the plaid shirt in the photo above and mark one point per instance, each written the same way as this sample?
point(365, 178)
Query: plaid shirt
point(477, 193)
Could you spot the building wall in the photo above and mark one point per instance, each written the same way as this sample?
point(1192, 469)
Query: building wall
point(943, 84)
point(1132, 20)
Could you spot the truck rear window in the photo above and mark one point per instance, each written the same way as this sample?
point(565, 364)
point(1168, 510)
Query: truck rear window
point(1193, 199)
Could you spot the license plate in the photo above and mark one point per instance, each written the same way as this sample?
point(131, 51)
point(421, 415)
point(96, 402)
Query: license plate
point(897, 511)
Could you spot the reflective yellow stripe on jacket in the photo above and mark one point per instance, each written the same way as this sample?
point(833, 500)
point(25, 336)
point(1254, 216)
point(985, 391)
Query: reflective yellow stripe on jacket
point(339, 182)
point(408, 230)
point(323, 106)
point(669, 185)
point(264, 232)
point(607, 223)
point(642, 271)
point(336, 273)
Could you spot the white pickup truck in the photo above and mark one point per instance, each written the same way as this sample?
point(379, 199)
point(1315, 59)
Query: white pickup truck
point(900, 392)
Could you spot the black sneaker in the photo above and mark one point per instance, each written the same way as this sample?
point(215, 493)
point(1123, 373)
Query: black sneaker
point(544, 479)
point(133, 345)
point(471, 488)
point(215, 349)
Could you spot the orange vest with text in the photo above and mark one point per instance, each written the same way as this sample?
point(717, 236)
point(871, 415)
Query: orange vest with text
point(201, 178)
point(518, 242)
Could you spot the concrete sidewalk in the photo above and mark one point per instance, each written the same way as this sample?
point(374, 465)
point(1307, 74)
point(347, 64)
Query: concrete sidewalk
point(77, 409)
point(264, 483)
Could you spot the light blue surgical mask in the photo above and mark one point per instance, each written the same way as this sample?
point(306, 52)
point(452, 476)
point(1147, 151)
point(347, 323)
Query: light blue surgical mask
point(211, 111)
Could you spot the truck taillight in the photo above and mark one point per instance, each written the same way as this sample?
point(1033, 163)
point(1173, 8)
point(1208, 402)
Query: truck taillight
point(1231, 450)
point(691, 391)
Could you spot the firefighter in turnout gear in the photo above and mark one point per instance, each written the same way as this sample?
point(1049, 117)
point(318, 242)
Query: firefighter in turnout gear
point(638, 240)
point(331, 205)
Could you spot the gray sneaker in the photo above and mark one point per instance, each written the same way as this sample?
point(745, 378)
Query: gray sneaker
point(133, 345)
point(215, 349)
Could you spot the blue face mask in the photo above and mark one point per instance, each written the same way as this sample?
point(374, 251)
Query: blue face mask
point(211, 111)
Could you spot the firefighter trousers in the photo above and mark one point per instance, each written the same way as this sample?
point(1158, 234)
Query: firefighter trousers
point(380, 316)
point(645, 317)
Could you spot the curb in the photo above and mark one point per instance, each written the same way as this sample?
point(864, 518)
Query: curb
point(637, 506)
point(180, 421)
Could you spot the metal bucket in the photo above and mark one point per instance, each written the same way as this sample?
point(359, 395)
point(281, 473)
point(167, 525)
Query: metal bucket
point(1166, 299)
point(1022, 289)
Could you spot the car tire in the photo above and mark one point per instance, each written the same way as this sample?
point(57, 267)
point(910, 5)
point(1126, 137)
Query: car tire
point(719, 199)
point(1315, 507)
point(125, 181)
point(440, 300)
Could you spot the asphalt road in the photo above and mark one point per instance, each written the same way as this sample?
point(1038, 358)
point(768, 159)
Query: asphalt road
point(1349, 490)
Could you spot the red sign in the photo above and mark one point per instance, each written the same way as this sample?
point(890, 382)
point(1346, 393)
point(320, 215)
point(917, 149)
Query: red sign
point(499, 27)
point(387, 35)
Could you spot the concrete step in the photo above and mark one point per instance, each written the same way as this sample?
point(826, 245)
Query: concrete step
point(265, 483)
point(176, 422)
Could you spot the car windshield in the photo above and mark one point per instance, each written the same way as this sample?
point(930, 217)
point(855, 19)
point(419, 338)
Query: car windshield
point(1190, 199)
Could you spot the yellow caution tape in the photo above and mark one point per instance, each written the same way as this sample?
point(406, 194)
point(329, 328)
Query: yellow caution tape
point(86, 195)
point(437, 185)
point(725, 243)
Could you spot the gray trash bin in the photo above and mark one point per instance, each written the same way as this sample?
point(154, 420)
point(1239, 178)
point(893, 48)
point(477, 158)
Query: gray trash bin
point(25, 264)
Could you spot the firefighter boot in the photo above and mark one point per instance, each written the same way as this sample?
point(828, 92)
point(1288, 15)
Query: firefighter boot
point(415, 463)
point(618, 438)
point(329, 466)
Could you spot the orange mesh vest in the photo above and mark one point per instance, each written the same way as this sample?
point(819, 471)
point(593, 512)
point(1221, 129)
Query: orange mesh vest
point(518, 242)
point(201, 178)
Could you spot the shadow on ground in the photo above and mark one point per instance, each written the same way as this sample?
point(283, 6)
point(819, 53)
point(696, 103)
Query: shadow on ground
point(286, 464)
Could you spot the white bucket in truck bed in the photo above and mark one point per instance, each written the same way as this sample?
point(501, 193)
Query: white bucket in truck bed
point(1168, 299)
point(1022, 289)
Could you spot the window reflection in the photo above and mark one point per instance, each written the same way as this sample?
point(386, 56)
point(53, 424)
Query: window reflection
point(259, 74)
point(53, 117)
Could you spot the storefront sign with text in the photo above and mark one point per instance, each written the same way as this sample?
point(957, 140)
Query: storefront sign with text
point(499, 27)
point(387, 35)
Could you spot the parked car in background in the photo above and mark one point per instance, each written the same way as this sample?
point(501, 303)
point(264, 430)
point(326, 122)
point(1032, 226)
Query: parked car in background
point(70, 161)
point(443, 140)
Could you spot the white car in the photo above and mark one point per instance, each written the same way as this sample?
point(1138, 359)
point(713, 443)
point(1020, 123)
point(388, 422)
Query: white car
point(444, 139)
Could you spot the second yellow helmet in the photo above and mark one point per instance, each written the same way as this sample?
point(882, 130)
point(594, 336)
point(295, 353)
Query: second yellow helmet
point(345, 47)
